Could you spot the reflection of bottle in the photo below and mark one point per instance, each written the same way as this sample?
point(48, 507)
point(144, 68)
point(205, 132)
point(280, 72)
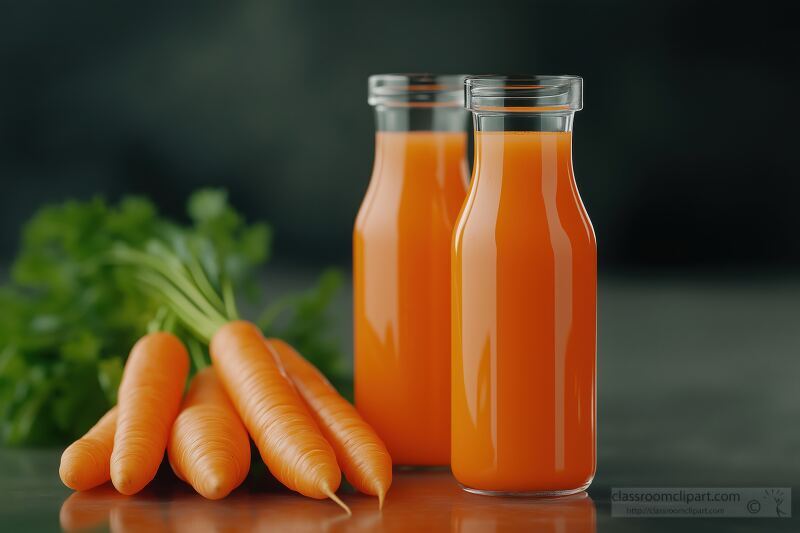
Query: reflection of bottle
point(567, 514)
point(401, 264)
point(524, 297)
point(418, 501)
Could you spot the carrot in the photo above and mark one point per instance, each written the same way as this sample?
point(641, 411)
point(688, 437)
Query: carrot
point(148, 402)
point(208, 446)
point(289, 441)
point(361, 453)
point(84, 464)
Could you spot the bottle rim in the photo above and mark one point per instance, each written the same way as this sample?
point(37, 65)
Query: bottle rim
point(416, 90)
point(523, 93)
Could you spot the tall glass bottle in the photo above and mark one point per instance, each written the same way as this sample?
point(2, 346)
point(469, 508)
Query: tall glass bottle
point(401, 264)
point(524, 297)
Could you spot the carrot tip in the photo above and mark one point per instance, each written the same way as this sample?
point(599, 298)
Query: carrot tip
point(123, 485)
point(381, 496)
point(66, 474)
point(336, 499)
point(215, 489)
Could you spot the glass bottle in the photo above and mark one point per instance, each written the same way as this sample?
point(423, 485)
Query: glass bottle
point(401, 264)
point(524, 290)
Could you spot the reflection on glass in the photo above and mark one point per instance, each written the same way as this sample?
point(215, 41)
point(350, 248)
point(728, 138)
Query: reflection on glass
point(417, 501)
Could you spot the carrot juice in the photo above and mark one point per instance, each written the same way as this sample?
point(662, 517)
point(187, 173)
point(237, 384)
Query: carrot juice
point(401, 272)
point(524, 301)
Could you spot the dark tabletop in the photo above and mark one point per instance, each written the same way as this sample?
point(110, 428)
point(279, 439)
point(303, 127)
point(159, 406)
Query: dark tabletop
point(698, 387)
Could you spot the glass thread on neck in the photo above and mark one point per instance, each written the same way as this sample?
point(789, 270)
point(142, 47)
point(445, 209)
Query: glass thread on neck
point(523, 103)
point(450, 119)
point(523, 122)
point(418, 102)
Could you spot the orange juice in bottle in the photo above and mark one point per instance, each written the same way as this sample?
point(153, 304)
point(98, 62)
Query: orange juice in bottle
point(401, 264)
point(524, 297)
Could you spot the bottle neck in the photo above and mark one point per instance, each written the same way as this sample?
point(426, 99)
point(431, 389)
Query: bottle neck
point(522, 159)
point(421, 156)
point(419, 118)
point(544, 121)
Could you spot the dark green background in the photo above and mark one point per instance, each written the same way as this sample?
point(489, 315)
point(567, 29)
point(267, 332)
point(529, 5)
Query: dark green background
point(685, 152)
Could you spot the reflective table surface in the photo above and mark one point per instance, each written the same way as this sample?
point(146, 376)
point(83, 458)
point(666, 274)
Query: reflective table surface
point(698, 387)
point(426, 500)
point(33, 499)
point(419, 502)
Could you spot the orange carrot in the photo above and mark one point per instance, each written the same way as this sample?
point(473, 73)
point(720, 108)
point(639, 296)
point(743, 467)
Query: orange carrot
point(361, 453)
point(148, 402)
point(209, 446)
point(84, 464)
point(285, 433)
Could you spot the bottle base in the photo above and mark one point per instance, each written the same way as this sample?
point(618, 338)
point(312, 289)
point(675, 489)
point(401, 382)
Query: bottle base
point(528, 494)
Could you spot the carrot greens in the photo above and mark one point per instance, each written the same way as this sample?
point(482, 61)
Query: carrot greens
point(69, 314)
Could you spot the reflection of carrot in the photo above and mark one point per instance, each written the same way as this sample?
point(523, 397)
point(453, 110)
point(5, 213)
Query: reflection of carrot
point(88, 509)
point(208, 446)
point(148, 401)
point(189, 514)
point(281, 512)
point(134, 515)
point(84, 464)
point(361, 453)
point(289, 441)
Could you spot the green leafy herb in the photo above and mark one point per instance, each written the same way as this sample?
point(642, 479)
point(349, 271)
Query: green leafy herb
point(69, 316)
point(301, 318)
